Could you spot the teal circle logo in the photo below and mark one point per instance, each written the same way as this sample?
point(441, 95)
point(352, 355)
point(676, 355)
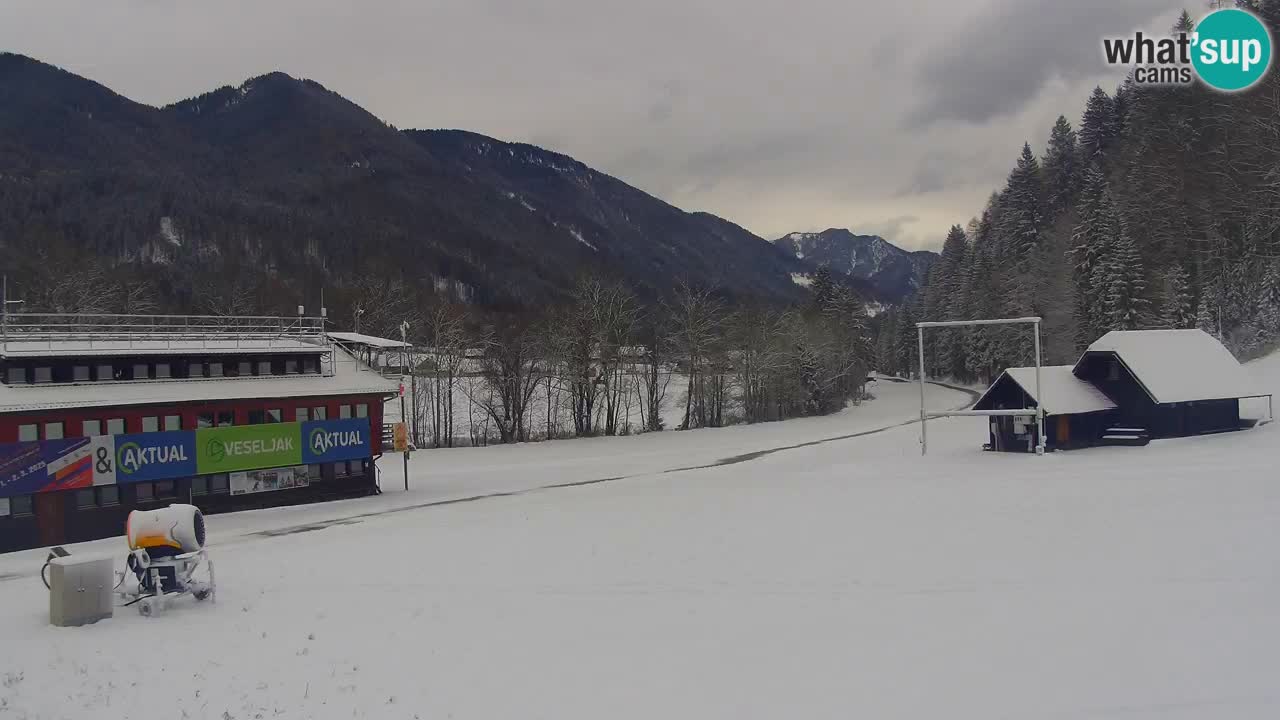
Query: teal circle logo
point(1231, 49)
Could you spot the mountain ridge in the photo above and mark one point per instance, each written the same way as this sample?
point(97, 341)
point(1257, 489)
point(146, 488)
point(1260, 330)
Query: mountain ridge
point(893, 273)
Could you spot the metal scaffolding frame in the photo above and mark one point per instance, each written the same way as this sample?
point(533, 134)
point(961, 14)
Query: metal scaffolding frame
point(1038, 410)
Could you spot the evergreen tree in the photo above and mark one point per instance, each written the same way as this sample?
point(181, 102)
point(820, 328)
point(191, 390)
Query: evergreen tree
point(1124, 282)
point(1177, 311)
point(1097, 127)
point(1022, 208)
point(823, 287)
point(1089, 243)
point(1061, 168)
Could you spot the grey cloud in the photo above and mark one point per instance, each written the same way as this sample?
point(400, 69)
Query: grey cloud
point(1000, 60)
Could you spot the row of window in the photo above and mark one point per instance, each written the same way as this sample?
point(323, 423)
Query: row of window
point(164, 490)
point(159, 370)
point(57, 430)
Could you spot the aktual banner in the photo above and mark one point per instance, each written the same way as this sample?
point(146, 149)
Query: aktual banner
point(151, 456)
point(334, 440)
point(248, 447)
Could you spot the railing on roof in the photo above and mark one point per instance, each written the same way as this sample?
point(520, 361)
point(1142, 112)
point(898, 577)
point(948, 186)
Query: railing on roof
point(37, 331)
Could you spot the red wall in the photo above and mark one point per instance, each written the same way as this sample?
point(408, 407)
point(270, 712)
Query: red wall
point(133, 414)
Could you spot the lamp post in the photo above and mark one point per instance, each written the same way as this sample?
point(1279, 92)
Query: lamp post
point(404, 363)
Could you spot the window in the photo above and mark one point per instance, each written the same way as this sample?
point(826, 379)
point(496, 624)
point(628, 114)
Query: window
point(204, 420)
point(165, 489)
point(162, 370)
point(344, 411)
point(301, 415)
point(20, 505)
point(313, 472)
point(151, 424)
point(362, 410)
point(264, 367)
point(141, 371)
point(257, 417)
point(80, 373)
point(275, 415)
point(246, 367)
point(17, 375)
point(53, 431)
point(115, 426)
point(319, 413)
point(86, 499)
point(226, 418)
point(106, 372)
point(200, 485)
point(219, 483)
point(144, 492)
point(28, 433)
point(215, 369)
point(309, 365)
point(291, 367)
point(1113, 370)
point(172, 422)
point(91, 428)
point(108, 495)
point(44, 374)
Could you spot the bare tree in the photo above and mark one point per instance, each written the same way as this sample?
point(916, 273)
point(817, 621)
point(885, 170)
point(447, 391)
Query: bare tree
point(511, 367)
point(654, 367)
point(694, 316)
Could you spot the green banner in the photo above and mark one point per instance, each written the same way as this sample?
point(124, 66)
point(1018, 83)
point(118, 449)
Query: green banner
point(248, 447)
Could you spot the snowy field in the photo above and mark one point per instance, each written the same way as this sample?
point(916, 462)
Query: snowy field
point(848, 578)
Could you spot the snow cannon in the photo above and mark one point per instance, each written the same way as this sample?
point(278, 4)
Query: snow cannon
point(179, 527)
point(166, 549)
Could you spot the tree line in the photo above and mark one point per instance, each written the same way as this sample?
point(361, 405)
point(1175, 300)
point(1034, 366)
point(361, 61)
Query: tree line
point(604, 363)
point(1161, 209)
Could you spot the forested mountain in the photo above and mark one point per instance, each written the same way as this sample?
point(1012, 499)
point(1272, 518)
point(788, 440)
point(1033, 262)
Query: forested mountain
point(253, 198)
point(891, 272)
point(1159, 209)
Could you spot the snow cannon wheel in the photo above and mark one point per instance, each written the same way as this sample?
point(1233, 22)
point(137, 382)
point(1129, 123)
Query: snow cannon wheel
point(149, 607)
point(201, 595)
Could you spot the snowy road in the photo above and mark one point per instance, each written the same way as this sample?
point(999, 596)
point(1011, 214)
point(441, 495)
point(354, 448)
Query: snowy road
point(851, 578)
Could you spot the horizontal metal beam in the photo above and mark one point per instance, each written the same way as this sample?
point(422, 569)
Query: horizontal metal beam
point(960, 323)
point(1027, 412)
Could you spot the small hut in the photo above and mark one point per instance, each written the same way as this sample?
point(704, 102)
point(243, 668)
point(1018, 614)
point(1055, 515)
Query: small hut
point(1127, 388)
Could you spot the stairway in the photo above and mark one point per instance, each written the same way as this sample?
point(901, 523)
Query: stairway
point(1126, 435)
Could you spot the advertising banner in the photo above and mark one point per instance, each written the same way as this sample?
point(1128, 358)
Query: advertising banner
point(326, 441)
point(46, 466)
point(151, 456)
point(102, 454)
point(247, 447)
point(256, 481)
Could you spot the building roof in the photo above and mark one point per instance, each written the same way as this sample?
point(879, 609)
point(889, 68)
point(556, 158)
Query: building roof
point(370, 340)
point(1178, 365)
point(1064, 393)
point(349, 377)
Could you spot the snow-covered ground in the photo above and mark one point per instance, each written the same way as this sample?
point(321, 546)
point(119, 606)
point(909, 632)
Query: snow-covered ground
point(849, 578)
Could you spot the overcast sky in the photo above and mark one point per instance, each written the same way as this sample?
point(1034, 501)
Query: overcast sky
point(891, 117)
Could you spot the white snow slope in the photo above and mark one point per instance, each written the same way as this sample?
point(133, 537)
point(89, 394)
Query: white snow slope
point(847, 579)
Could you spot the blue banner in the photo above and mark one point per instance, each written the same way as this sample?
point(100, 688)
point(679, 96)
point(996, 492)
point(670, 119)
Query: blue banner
point(32, 467)
point(155, 456)
point(326, 441)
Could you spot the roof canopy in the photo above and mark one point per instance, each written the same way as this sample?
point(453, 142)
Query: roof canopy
point(370, 340)
point(1177, 365)
point(1064, 393)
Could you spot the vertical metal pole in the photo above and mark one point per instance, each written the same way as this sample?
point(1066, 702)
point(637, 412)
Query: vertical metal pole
point(1039, 393)
point(924, 430)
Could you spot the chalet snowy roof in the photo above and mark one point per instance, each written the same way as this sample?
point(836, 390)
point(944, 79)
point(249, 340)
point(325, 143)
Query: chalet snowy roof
point(370, 340)
point(1178, 365)
point(349, 377)
point(1064, 393)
